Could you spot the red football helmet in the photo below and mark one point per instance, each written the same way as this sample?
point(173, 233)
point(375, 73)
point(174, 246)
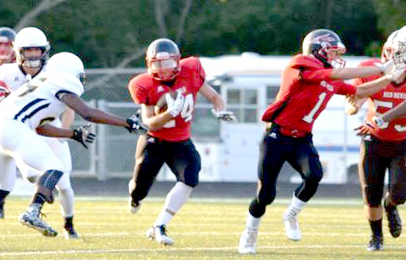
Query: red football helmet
point(326, 46)
point(388, 47)
point(163, 60)
point(7, 36)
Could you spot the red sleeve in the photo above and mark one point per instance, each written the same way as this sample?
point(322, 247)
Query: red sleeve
point(3, 85)
point(311, 69)
point(344, 88)
point(193, 66)
point(138, 93)
point(316, 75)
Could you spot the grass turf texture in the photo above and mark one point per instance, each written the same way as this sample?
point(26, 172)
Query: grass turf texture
point(203, 229)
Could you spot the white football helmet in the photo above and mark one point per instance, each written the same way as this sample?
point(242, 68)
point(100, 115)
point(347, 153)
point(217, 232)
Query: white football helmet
point(387, 49)
point(31, 37)
point(67, 62)
point(399, 49)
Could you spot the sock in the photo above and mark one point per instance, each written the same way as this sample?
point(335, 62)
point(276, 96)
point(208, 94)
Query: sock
point(66, 198)
point(3, 195)
point(376, 227)
point(297, 203)
point(252, 222)
point(39, 199)
point(68, 222)
point(175, 199)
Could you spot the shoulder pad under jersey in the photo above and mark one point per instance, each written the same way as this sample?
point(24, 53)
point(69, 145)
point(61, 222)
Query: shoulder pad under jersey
point(305, 62)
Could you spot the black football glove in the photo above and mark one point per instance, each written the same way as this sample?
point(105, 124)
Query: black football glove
point(83, 135)
point(136, 125)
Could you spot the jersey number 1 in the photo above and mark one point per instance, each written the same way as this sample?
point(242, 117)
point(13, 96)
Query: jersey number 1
point(309, 117)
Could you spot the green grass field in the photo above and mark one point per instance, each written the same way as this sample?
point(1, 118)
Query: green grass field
point(204, 229)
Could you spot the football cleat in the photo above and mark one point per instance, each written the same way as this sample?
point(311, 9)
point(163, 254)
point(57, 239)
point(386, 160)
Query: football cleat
point(70, 233)
point(133, 206)
point(248, 241)
point(31, 219)
point(375, 244)
point(292, 224)
point(394, 221)
point(159, 235)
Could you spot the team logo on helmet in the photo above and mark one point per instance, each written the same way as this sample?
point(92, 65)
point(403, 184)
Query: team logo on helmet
point(325, 40)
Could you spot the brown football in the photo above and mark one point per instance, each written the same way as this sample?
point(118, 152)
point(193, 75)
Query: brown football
point(161, 105)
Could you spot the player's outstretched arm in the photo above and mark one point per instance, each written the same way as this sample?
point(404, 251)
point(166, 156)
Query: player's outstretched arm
point(98, 116)
point(361, 72)
point(218, 103)
point(81, 134)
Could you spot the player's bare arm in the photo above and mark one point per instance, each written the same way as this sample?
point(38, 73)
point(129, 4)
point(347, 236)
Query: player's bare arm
point(350, 73)
point(92, 114)
point(370, 88)
point(219, 107)
point(67, 118)
point(154, 121)
point(210, 94)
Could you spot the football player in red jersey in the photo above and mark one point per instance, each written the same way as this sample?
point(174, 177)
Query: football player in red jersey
point(7, 36)
point(308, 83)
point(382, 149)
point(168, 140)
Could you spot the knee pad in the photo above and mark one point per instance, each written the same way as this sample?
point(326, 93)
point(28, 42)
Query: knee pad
point(373, 194)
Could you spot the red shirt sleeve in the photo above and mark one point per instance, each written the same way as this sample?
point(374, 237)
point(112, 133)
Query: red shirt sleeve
point(138, 93)
point(316, 75)
point(344, 88)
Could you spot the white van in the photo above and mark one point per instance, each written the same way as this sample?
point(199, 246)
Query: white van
point(248, 83)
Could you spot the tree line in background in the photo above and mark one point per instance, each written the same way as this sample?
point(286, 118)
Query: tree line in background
point(115, 33)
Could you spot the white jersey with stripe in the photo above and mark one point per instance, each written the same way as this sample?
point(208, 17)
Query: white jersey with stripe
point(13, 76)
point(39, 100)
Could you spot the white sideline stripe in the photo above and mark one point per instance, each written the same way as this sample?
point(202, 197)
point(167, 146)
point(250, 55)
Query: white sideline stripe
point(141, 234)
point(315, 201)
point(194, 249)
point(284, 201)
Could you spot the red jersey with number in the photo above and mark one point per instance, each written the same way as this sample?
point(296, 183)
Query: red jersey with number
point(146, 90)
point(382, 101)
point(305, 90)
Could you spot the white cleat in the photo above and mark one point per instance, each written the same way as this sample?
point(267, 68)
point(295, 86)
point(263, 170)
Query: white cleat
point(159, 235)
point(292, 225)
point(248, 241)
point(134, 207)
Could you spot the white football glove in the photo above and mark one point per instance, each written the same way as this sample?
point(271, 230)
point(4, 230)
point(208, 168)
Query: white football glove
point(396, 75)
point(385, 67)
point(227, 116)
point(175, 106)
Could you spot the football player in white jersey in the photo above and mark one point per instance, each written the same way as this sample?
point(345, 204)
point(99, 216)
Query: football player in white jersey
point(31, 49)
point(37, 102)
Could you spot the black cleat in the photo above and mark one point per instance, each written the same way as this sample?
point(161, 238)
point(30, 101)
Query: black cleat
point(70, 233)
point(375, 244)
point(394, 221)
